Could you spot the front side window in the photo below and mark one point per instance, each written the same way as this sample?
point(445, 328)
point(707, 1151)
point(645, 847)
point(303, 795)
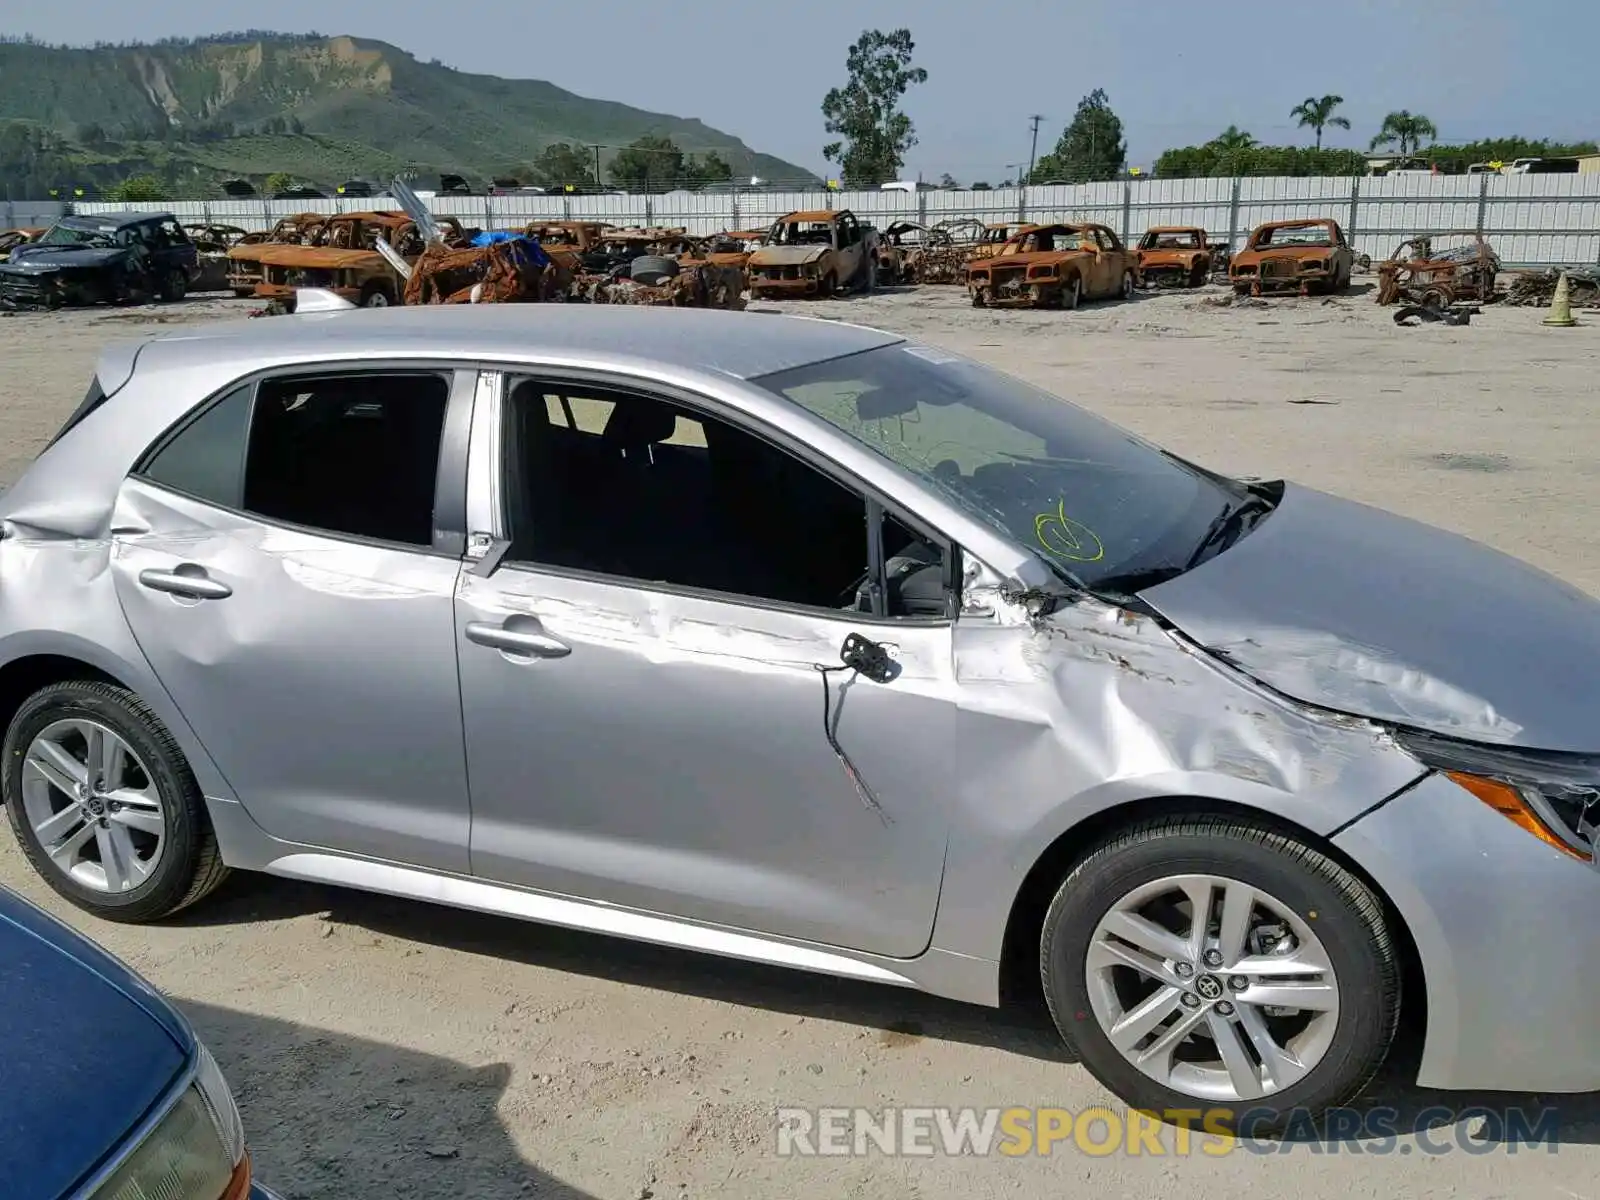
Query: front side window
point(635, 487)
point(1098, 503)
point(347, 454)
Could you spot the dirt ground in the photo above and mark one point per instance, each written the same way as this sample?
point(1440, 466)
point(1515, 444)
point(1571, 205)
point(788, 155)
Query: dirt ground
point(387, 1048)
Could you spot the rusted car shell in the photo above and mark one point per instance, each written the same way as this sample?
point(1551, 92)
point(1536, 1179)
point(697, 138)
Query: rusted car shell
point(1174, 256)
point(1262, 267)
point(783, 268)
point(344, 261)
point(1419, 272)
point(244, 265)
point(213, 241)
point(1021, 276)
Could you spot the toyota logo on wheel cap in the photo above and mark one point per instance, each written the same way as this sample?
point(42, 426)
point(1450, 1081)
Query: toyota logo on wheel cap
point(1209, 987)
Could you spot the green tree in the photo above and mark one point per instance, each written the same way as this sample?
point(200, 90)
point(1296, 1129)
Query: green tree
point(137, 188)
point(1232, 140)
point(1405, 130)
point(873, 133)
point(1317, 114)
point(278, 181)
point(563, 164)
point(648, 164)
point(948, 180)
point(712, 168)
point(1091, 148)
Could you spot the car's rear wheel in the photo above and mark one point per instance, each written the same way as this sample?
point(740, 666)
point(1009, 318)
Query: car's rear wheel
point(104, 805)
point(1129, 285)
point(174, 286)
point(1283, 995)
point(376, 295)
point(1072, 293)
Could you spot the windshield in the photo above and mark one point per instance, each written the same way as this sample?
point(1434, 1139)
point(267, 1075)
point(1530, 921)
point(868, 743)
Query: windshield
point(1304, 235)
point(1181, 240)
point(67, 235)
point(1099, 504)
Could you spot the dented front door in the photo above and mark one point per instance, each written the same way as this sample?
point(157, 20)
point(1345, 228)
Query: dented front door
point(666, 752)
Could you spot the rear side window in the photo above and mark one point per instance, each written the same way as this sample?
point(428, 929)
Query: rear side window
point(92, 399)
point(347, 454)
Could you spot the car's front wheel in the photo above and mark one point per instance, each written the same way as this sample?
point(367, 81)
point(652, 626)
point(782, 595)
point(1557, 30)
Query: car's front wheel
point(104, 805)
point(1207, 962)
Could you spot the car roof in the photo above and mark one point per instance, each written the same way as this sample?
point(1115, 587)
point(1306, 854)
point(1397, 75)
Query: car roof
point(738, 344)
point(119, 219)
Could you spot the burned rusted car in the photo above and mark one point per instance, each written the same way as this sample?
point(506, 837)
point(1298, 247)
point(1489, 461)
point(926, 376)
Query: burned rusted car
point(496, 269)
point(1437, 270)
point(1054, 266)
point(815, 253)
point(244, 256)
point(10, 239)
point(1174, 256)
point(343, 258)
point(1302, 256)
point(213, 241)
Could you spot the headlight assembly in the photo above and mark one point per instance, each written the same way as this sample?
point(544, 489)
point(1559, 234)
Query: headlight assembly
point(196, 1150)
point(1555, 797)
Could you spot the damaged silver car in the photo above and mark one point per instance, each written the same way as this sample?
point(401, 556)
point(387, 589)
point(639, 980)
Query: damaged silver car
point(797, 642)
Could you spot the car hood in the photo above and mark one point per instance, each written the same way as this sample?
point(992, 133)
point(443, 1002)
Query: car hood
point(1352, 608)
point(39, 259)
point(88, 1048)
point(787, 256)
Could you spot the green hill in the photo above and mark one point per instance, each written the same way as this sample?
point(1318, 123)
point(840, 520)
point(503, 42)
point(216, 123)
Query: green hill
point(323, 109)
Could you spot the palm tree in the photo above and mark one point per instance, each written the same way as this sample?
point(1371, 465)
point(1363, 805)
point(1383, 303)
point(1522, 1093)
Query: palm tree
point(1405, 129)
point(1233, 138)
point(1319, 113)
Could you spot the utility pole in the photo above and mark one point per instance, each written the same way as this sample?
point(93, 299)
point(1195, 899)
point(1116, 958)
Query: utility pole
point(1033, 153)
point(597, 168)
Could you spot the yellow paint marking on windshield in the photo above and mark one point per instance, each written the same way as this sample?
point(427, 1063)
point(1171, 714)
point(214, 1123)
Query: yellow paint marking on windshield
point(1065, 538)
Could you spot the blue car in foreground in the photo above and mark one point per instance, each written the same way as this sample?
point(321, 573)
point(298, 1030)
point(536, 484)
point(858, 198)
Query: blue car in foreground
point(105, 1092)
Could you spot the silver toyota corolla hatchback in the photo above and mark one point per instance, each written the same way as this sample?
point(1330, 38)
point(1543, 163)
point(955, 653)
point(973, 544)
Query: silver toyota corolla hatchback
point(802, 643)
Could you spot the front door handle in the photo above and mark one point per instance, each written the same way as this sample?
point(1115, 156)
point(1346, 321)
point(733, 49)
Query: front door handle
point(186, 579)
point(530, 639)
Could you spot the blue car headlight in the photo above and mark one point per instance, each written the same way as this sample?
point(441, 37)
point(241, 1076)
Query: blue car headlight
point(196, 1151)
point(1555, 797)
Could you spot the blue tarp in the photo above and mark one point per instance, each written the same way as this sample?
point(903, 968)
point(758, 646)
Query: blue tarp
point(527, 250)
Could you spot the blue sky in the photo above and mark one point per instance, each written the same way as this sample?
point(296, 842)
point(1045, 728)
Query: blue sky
point(1177, 71)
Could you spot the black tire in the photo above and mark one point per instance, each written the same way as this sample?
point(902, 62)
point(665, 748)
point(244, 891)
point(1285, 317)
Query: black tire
point(653, 270)
point(1349, 922)
point(190, 866)
point(174, 286)
point(829, 286)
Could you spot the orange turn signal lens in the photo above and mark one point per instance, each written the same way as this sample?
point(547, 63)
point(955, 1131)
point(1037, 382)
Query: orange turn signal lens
point(239, 1185)
point(1511, 805)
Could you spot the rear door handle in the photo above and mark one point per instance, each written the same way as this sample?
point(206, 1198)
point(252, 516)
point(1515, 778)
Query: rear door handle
point(530, 639)
point(186, 579)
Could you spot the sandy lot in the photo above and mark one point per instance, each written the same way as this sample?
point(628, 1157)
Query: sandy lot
point(389, 1048)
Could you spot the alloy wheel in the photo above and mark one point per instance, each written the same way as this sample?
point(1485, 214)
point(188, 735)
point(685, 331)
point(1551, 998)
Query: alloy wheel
point(1212, 988)
point(93, 805)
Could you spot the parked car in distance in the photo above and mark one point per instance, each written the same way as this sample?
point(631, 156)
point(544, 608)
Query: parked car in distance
point(815, 253)
point(108, 1093)
point(101, 258)
point(1302, 256)
point(1054, 266)
point(828, 649)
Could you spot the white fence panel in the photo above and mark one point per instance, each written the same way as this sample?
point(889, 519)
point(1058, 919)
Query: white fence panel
point(1206, 203)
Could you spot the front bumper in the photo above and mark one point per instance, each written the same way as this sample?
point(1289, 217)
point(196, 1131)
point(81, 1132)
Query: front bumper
point(802, 286)
point(1511, 961)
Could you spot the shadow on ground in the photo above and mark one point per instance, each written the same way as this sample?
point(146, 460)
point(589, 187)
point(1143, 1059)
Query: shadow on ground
point(331, 1117)
point(1390, 1107)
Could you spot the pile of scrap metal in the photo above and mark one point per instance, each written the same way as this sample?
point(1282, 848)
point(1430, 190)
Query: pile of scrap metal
point(656, 279)
point(945, 250)
point(1538, 288)
point(1437, 270)
point(213, 242)
point(497, 268)
point(909, 252)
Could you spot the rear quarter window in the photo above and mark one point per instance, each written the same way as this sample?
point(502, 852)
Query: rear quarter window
point(92, 399)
